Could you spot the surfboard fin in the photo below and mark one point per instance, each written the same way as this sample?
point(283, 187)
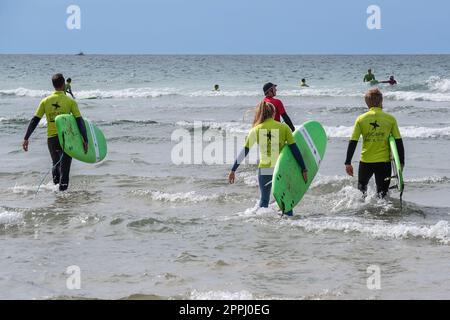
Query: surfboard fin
point(401, 201)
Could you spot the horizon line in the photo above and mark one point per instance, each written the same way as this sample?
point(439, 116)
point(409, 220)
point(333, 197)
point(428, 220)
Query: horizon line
point(228, 54)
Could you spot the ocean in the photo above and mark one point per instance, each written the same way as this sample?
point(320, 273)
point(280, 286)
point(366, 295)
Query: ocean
point(139, 226)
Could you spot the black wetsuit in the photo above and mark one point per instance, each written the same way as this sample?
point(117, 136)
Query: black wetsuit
point(61, 163)
point(61, 160)
point(381, 170)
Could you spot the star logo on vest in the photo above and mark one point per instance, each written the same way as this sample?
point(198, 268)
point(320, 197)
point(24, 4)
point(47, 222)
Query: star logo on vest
point(375, 125)
point(56, 105)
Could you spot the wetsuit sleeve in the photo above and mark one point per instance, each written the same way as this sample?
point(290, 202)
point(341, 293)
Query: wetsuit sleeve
point(297, 156)
point(288, 121)
point(353, 142)
point(33, 124)
point(82, 128)
point(401, 151)
point(289, 137)
point(244, 152)
point(350, 151)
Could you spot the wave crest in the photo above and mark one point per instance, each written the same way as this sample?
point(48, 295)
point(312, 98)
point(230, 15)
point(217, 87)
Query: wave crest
point(190, 197)
point(438, 232)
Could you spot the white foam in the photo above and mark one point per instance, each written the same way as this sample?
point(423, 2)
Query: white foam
point(16, 120)
point(320, 180)
point(145, 92)
point(406, 132)
point(438, 90)
point(338, 132)
point(50, 186)
point(127, 93)
point(9, 218)
point(332, 132)
point(256, 212)
point(416, 96)
point(376, 229)
point(438, 84)
point(424, 132)
point(249, 178)
point(338, 180)
point(23, 92)
point(349, 198)
point(191, 196)
point(221, 295)
point(425, 180)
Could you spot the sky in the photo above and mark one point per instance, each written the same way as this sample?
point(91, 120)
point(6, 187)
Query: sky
point(225, 27)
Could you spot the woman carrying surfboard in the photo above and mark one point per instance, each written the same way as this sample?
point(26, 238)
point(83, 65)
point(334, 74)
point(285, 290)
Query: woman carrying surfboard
point(55, 104)
point(271, 136)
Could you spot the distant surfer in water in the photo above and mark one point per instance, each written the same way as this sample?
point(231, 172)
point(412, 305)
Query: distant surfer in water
point(55, 104)
point(375, 126)
point(369, 77)
point(270, 91)
point(391, 81)
point(216, 87)
point(68, 87)
point(303, 83)
point(264, 132)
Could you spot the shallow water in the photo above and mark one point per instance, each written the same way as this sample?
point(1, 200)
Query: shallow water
point(139, 226)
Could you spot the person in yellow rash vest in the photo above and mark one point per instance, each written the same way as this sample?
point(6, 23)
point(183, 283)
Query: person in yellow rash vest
point(271, 136)
point(375, 126)
point(55, 104)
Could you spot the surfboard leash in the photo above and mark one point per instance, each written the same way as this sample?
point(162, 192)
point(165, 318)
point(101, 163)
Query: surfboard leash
point(42, 181)
point(60, 159)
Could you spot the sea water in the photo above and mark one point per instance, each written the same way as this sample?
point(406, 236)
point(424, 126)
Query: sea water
point(137, 225)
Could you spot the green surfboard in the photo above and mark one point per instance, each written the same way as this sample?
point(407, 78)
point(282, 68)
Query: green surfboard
point(396, 166)
point(288, 186)
point(71, 140)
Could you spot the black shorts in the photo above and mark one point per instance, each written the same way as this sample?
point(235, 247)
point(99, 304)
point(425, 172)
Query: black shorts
point(382, 170)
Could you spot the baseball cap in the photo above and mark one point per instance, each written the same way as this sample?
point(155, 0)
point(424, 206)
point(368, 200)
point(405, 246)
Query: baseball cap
point(268, 86)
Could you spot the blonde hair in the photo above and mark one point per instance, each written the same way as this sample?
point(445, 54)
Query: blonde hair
point(374, 98)
point(263, 111)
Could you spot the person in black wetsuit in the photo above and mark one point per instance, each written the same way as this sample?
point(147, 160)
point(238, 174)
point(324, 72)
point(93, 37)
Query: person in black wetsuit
point(391, 81)
point(375, 126)
point(68, 87)
point(55, 104)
